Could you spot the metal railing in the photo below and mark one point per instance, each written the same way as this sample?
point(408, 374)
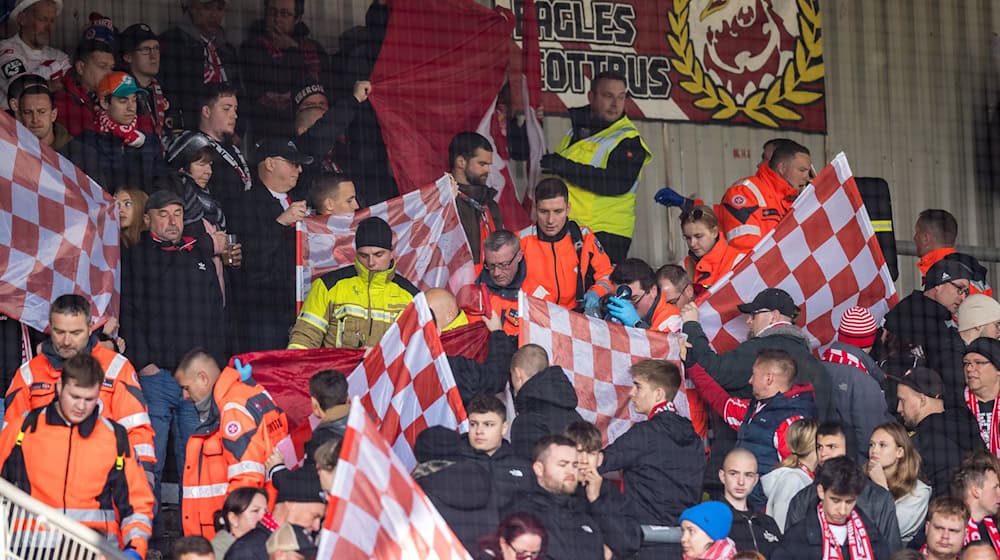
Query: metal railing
point(31, 530)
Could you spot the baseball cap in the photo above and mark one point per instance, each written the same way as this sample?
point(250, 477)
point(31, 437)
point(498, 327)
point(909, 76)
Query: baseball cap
point(988, 348)
point(771, 299)
point(947, 270)
point(133, 36)
point(292, 538)
point(118, 84)
point(162, 199)
point(283, 148)
point(924, 381)
point(977, 310)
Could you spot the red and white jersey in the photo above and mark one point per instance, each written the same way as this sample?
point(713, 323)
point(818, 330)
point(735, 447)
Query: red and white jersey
point(17, 58)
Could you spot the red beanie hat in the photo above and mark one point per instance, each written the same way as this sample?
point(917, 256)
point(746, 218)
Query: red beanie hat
point(857, 327)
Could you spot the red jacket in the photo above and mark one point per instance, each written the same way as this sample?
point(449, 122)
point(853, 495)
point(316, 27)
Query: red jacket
point(752, 207)
point(229, 449)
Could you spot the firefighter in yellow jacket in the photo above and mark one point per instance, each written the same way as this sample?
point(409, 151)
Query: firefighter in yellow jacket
point(352, 307)
point(601, 159)
point(70, 457)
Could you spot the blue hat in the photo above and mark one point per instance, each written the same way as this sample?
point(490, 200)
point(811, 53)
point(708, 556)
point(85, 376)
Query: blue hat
point(715, 518)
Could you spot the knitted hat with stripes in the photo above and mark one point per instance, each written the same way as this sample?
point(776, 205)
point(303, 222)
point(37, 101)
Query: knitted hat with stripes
point(857, 327)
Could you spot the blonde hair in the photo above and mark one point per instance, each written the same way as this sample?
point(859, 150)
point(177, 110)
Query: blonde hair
point(801, 441)
point(130, 234)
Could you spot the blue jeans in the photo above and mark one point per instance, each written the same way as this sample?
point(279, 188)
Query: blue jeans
point(168, 411)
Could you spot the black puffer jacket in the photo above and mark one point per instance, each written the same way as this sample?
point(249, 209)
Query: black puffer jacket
point(804, 541)
point(461, 493)
point(545, 405)
point(659, 490)
point(512, 475)
point(942, 440)
point(875, 503)
point(754, 530)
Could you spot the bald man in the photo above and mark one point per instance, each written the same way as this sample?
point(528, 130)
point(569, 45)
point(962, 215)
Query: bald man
point(471, 377)
point(751, 530)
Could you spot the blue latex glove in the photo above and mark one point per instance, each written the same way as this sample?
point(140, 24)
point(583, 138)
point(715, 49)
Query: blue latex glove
point(246, 370)
point(591, 300)
point(669, 197)
point(131, 553)
point(624, 311)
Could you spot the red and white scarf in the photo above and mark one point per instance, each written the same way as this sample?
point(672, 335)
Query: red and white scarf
point(972, 532)
point(665, 405)
point(992, 435)
point(859, 544)
point(129, 134)
point(836, 356)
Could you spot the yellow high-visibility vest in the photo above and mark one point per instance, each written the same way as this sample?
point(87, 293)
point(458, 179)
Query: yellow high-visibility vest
point(612, 214)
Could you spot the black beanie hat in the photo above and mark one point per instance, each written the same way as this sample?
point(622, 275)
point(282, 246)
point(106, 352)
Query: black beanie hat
point(373, 232)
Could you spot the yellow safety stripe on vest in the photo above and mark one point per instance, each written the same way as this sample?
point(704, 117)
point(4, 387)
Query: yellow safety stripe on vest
point(882, 226)
point(346, 309)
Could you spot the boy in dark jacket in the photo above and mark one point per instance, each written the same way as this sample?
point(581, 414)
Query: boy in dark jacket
point(659, 489)
point(751, 530)
point(511, 475)
point(544, 399)
point(838, 529)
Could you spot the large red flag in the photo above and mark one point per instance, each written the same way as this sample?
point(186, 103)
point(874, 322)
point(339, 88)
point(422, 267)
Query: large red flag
point(59, 232)
point(440, 67)
point(823, 253)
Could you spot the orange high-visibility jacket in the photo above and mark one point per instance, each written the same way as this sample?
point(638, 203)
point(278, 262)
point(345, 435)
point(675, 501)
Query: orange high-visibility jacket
point(34, 386)
point(715, 264)
point(229, 449)
point(753, 206)
point(86, 471)
point(554, 268)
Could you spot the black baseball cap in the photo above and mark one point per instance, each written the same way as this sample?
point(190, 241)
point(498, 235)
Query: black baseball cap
point(947, 270)
point(133, 36)
point(924, 381)
point(771, 299)
point(283, 148)
point(162, 199)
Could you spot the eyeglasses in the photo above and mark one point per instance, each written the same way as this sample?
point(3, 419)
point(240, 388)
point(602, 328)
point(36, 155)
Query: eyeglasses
point(636, 299)
point(280, 13)
point(693, 216)
point(962, 290)
point(146, 51)
point(759, 311)
point(501, 265)
point(977, 363)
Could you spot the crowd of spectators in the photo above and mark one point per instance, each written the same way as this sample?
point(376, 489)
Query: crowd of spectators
point(884, 442)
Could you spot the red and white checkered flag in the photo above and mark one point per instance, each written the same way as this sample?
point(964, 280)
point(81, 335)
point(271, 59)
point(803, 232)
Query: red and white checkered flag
point(596, 356)
point(376, 509)
point(430, 244)
point(59, 234)
point(406, 384)
point(823, 253)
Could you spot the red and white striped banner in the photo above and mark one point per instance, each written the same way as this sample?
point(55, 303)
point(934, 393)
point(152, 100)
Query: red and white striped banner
point(823, 253)
point(59, 232)
point(406, 384)
point(376, 509)
point(596, 356)
point(430, 244)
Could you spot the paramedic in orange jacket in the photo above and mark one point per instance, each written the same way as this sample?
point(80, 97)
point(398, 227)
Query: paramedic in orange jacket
point(496, 289)
point(240, 425)
point(934, 234)
point(34, 383)
point(69, 457)
point(648, 308)
point(753, 206)
point(709, 256)
point(566, 263)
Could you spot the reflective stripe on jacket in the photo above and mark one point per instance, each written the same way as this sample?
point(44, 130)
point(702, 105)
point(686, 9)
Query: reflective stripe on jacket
point(553, 266)
point(752, 207)
point(612, 214)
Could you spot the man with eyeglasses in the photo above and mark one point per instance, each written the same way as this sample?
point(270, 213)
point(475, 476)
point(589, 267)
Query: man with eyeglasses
point(140, 50)
point(494, 293)
point(982, 380)
point(675, 285)
point(646, 308)
point(924, 319)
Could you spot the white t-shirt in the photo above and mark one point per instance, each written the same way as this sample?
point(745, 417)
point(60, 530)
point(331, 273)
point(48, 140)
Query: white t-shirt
point(17, 58)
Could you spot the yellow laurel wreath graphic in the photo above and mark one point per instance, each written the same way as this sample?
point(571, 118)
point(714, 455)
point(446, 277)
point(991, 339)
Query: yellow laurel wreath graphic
point(764, 107)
